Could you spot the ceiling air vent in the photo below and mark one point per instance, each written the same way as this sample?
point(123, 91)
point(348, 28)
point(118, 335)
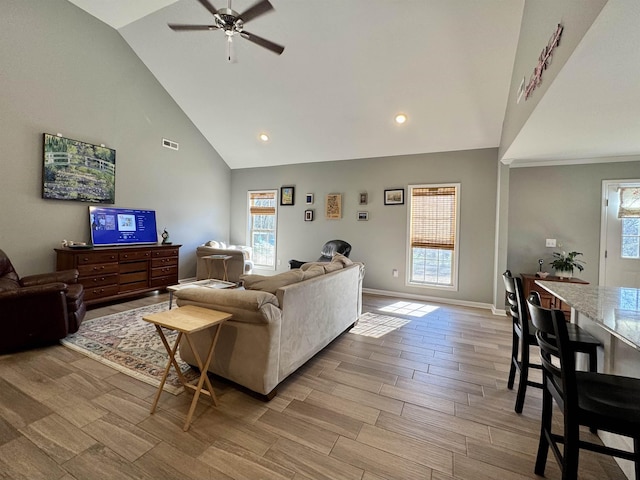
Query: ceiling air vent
point(170, 144)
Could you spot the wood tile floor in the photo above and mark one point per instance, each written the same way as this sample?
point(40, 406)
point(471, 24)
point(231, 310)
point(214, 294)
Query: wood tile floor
point(422, 398)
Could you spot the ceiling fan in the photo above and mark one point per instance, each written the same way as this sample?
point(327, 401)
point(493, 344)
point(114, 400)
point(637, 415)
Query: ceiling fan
point(232, 23)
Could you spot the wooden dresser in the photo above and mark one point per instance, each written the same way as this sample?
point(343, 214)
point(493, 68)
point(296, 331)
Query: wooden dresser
point(113, 273)
point(547, 300)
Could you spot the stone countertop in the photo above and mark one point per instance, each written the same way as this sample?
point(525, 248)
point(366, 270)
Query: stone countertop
point(616, 309)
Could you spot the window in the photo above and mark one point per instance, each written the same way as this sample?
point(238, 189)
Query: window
point(262, 222)
point(630, 238)
point(433, 239)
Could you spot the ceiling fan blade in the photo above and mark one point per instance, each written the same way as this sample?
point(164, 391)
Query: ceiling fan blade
point(260, 8)
point(209, 7)
point(182, 28)
point(274, 47)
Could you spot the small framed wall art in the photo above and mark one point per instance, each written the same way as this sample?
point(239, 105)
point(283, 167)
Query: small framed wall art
point(287, 195)
point(308, 199)
point(364, 198)
point(333, 209)
point(308, 215)
point(394, 196)
point(363, 216)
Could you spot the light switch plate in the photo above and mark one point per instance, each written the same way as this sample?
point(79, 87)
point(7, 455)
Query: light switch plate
point(551, 242)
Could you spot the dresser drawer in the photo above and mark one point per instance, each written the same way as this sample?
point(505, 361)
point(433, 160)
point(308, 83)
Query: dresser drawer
point(165, 252)
point(97, 257)
point(164, 262)
point(134, 255)
point(171, 270)
point(99, 280)
point(99, 292)
point(98, 269)
point(164, 281)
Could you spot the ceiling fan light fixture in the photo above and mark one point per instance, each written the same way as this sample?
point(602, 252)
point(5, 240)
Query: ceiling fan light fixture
point(400, 118)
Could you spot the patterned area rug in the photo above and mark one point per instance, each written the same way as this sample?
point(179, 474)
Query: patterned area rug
point(130, 345)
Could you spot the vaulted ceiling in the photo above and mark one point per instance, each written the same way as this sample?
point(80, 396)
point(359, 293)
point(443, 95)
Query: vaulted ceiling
point(350, 66)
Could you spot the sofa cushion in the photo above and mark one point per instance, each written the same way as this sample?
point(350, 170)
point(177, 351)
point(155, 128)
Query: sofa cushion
point(273, 282)
point(313, 271)
point(308, 265)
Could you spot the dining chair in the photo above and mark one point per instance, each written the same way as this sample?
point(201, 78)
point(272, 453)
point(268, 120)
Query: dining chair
point(523, 337)
point(595, 400)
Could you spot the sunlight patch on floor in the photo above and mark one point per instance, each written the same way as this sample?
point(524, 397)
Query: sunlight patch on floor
point(409, 308)
point(376, 326)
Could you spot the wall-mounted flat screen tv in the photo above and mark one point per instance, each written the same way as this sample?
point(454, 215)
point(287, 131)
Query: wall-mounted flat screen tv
point(122, 226)
point(74, 170)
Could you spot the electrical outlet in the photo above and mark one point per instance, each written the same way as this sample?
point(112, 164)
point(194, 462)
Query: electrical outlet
point(395, 272)
point(551, 242)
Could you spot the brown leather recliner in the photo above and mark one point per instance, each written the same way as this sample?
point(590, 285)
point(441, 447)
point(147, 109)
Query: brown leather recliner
point(38, 309)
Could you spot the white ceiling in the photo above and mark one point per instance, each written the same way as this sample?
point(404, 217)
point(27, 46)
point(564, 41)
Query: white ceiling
point(350, 66)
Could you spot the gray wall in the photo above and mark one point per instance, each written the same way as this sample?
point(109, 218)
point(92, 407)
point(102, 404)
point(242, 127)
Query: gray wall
point(563, 203)
point(380, 242)
point(539, 21)
point(63, 71)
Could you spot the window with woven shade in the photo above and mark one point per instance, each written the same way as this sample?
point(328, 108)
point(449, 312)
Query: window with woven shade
point(433, 227)
point(261, 228)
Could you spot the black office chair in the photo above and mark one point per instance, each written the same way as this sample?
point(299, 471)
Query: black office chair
point(329, 249)
point(524, 336)
point(595, 400)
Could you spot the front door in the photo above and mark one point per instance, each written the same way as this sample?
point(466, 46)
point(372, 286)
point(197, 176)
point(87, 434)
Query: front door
point(620, 246)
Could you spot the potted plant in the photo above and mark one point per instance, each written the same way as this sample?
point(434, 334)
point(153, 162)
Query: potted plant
point(564, 263)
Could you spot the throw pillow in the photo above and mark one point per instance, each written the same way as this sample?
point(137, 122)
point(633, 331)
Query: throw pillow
point(272, 283)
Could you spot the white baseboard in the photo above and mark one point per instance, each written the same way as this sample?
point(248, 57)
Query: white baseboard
point(426, 298)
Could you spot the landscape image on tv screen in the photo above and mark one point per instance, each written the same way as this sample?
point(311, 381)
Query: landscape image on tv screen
point(75, 170)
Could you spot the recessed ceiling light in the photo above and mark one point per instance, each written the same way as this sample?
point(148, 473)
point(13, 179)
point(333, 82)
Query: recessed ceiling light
point(400, 118)
point(264, 137)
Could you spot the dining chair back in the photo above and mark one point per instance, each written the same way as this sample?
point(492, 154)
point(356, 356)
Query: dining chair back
point(595, 400)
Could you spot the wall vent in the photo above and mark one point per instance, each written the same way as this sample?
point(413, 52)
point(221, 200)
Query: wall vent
point(170, 144)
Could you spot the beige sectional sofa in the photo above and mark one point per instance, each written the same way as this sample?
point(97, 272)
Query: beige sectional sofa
point(279, 322)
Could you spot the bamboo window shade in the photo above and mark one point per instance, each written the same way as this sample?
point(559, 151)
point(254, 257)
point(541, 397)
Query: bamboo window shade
point(629, 202)
point(262, 203)
point(433, 217)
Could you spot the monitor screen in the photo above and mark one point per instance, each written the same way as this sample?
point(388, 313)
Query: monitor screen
point(122, 226)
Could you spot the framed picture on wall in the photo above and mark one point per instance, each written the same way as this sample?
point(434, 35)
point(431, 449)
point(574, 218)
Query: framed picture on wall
point(308, 215)
point(394, 196)
point(287, 195)
point(333, 208)
point(364, 198)
point(363, 216)
point(80, 171)
point(308, 199)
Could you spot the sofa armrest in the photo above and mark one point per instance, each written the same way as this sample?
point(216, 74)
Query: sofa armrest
point(33, 290)
point(247, 306)
point(64, 276)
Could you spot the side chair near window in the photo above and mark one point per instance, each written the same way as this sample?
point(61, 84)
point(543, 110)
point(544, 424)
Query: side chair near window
point(524, 337)
point(38, 309)
point(595, 400)
point(329, 249)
